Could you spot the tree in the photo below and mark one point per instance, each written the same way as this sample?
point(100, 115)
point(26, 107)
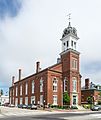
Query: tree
point(66, 98)
point(1, 92)
point(90, 99)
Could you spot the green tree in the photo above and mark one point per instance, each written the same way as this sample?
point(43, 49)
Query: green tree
point(66, 98)
point(89, 100)
point(1, 92)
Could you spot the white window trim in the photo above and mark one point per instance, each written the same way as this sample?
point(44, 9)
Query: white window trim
point(33, 86)
point(65, 79)
point(74, 82)
point(41, 85)
point(16, 90)
point(55, 100)
point(55, 84)
point(20, 90)
point(26, 89)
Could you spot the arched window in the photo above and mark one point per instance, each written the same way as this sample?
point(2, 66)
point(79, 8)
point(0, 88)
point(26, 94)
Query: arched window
point(65, 84)
point(74, 82)
point(16, 90)
point(41, 85)
point(20, 89)
point(33, 86)
point(26, 88)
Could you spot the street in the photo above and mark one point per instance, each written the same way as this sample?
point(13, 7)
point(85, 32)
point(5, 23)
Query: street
point(24, 114)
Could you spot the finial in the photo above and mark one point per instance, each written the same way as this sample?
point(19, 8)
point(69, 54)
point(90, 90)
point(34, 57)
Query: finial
point(69, 18)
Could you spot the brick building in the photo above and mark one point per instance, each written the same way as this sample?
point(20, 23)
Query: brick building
point(91, 90)
point(47, 86)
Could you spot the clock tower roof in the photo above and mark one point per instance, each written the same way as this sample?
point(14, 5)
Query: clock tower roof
point(69, 30)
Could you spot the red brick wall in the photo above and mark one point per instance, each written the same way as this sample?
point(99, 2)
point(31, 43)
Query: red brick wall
point(70, 73)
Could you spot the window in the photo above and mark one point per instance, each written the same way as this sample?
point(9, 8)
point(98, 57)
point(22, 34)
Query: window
point(10, 92)
point(54, 99)
point(20, 89)
point(33, 86)
point(41, 99)
point(33, 100)
point(74, 64)
point(65, 85)
point(74, 84)
point(13, 91)
point(41, 85)
point(75, 45)
point(21, 101)
point(16, 90)
point(67, 44)
point(26, 100)
point(72, 43)
point(26, 88)
point(55, 85)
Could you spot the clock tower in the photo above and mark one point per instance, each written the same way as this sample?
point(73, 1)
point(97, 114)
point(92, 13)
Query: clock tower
point(70, 65)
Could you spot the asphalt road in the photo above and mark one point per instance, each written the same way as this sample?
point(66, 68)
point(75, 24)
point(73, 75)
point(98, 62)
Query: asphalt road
point(58, 116)
point(25, 114)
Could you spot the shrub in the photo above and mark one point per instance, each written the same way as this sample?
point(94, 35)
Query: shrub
point(87, 106)
point(74, 107)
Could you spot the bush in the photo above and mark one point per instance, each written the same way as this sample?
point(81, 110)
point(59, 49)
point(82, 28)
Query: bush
point(87, 106)
point(99, 102)
point(54, 106)
point(74, 107)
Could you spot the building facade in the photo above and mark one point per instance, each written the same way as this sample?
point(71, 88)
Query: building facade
point(91, 90)
point(48, 86)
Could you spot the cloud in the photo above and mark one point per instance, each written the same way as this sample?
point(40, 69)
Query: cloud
point(9, 8)
point(30, 31)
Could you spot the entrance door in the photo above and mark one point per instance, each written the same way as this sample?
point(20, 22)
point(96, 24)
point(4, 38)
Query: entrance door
point(74, 99)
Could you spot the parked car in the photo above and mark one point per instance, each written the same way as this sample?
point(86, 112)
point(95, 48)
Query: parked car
point(20, 106)
point(24, 106)
point(5, 104)
point(11, 105)
point(31, 106)
point(99, 107)
point(95, 108)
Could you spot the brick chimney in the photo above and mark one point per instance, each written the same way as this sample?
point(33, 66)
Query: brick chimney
point(38, 67)
point(87, 83)
point(19, 74)
point(13, 78)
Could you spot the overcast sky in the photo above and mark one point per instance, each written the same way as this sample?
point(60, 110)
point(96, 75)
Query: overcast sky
point(30, 31)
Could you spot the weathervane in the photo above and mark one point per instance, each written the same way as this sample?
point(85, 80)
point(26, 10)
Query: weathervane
point(69, 18)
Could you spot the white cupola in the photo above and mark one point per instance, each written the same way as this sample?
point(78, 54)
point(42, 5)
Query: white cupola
point(69, 38)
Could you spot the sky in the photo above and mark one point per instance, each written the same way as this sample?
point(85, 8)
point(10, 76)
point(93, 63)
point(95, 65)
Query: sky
point(30, 31)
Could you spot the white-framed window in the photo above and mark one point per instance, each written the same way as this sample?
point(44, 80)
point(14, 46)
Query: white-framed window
point(20, 89)
point(54, 99)
point(55, 84)
point(21, 99)
point(74, 64)
point(33, 86)
point(16, 90)
point(41, 85)
point(26, 88)
point(41, 99)
point(13, 100)
point(32, 99)
point(74, 82)
point(13, 91)
point(26, 100)
point(16, 101)
point(10, 92)
point(10, 100)
point(65, 84)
